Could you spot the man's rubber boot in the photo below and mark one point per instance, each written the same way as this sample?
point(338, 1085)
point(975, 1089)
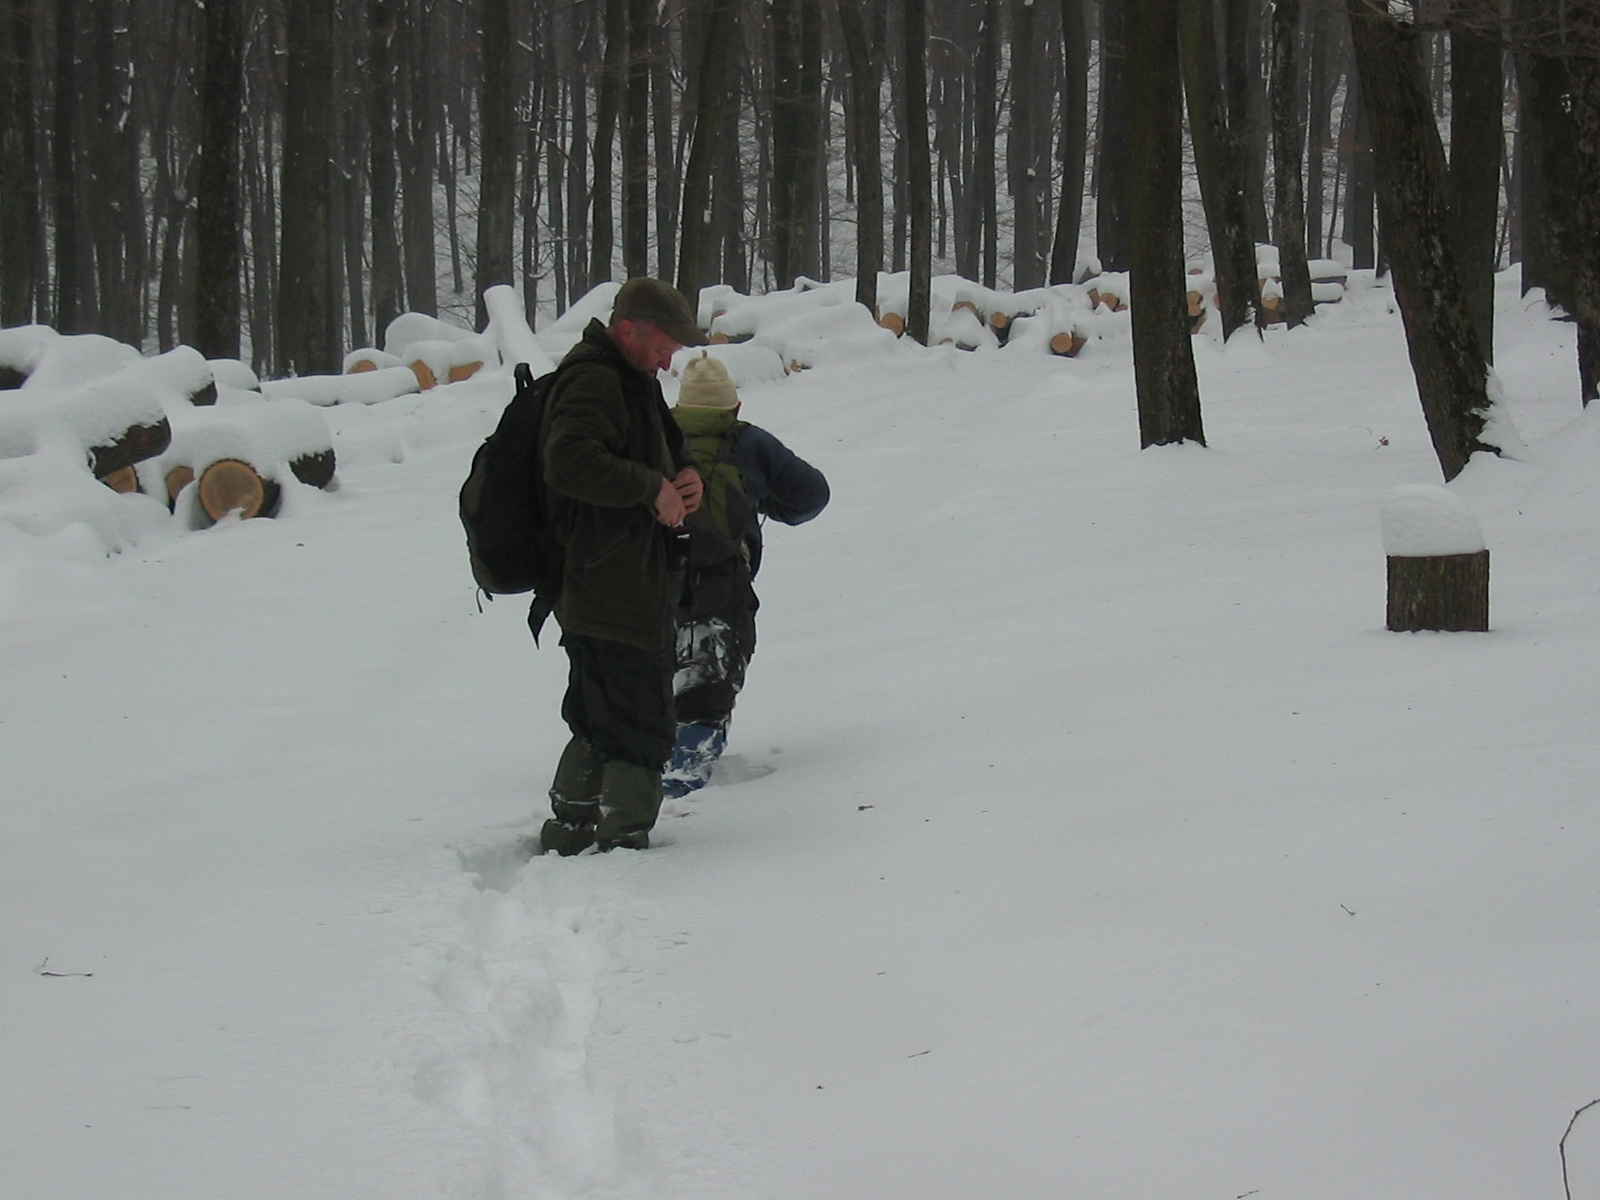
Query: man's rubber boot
point(630, 800)
point(574, 799)
point(558, 837)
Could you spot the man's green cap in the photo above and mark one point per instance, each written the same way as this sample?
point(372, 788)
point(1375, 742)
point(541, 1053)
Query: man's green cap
point(645, 299)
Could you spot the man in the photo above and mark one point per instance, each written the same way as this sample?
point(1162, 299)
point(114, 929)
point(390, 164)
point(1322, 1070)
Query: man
point(749, 475)
point(620, 487)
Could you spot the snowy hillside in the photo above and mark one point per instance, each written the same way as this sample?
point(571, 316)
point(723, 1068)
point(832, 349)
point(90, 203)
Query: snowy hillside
point(1113, 849)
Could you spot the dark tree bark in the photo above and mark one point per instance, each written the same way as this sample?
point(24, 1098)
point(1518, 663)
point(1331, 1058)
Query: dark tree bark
point(1242, 81)
point(636, 143)
point(697, 254)
point(728, 200)
point(386, 270)
point(1289, 218)
point(1220, 169)
point(1027, 268)
point(810, 152)
point(497, 158)
point(1446, 357)
point(602, 238)
point(986, 103)
point(418, 155)
point(21, 222)
point(1584, 29)
point(1163, 360)
point(1113, 197)
point(306, 343)
point(69, 284)
point(1320, 89)
point(578, 155)
point(864, 45)
point(1475, 149)
point(217, 222)
point(669, 169)
point(1074, 139)
point(117, 232)
point(1360, 182)
point(788, 142)
point(919, 168)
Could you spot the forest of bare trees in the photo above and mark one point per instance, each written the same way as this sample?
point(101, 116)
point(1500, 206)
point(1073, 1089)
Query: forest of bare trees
point(280, 178)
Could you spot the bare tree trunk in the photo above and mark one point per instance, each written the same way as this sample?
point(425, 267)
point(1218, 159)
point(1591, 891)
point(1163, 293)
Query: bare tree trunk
point(1289, 217)
point(386, 271)
point(21, 222)
point(866, 65)
point(1074, 139)
point(809, 150)
point(1445, 354)
point(986, 100)
point(68, 291)
point(1163, 360)
point(1113, 170)
point(788, 138)
point(636, 142)
point(1476, 101)
point(602, 240)
point(698, 251)
point(1242, 81)
point(1584, 27)
point(217, 214)
point(1359, 232)
point(578, 188)
point(305, 323)
point(1220, 169)
point(418, 239)
point(497, 159)
point(669, 171)
point(919, 171)
point(1027, 271)
point(1321, 100)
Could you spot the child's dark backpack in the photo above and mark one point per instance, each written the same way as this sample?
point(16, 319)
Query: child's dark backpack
point(503, 504)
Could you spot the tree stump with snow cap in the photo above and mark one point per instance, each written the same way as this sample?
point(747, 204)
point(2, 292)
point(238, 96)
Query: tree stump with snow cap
point(1438, 566)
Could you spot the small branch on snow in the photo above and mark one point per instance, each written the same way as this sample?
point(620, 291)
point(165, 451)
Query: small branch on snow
point(1567, 1186)
point(40, 970)
point(1351, 911)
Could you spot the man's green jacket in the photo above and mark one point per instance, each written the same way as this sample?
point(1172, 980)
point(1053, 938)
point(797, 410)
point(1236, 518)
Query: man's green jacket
point(608, 443)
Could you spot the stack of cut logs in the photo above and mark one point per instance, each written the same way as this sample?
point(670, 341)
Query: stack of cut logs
point(145, 453)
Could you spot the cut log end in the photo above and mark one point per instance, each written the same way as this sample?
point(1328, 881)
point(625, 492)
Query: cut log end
point(464, 371)
point(177, 479)
point(425, 377)
point(230, 486)
point(894, 323)
point(123, 479)
point(1447, 592)
point(1067, 345)
point(361, 366)
point(204, 397)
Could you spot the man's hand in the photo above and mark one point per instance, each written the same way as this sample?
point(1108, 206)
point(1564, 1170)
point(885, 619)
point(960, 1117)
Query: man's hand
point(669, 508)
point(691, 487)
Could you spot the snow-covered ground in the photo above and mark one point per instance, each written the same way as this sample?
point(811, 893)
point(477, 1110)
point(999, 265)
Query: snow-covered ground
point(1113, 848)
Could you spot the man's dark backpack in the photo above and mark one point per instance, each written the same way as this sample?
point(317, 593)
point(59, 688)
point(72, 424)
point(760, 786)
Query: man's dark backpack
point(503, 504)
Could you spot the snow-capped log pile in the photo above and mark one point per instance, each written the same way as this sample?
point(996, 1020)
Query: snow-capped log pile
point(99, 438)
point(90, 399)
point(238, 454)
point(814, 323)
